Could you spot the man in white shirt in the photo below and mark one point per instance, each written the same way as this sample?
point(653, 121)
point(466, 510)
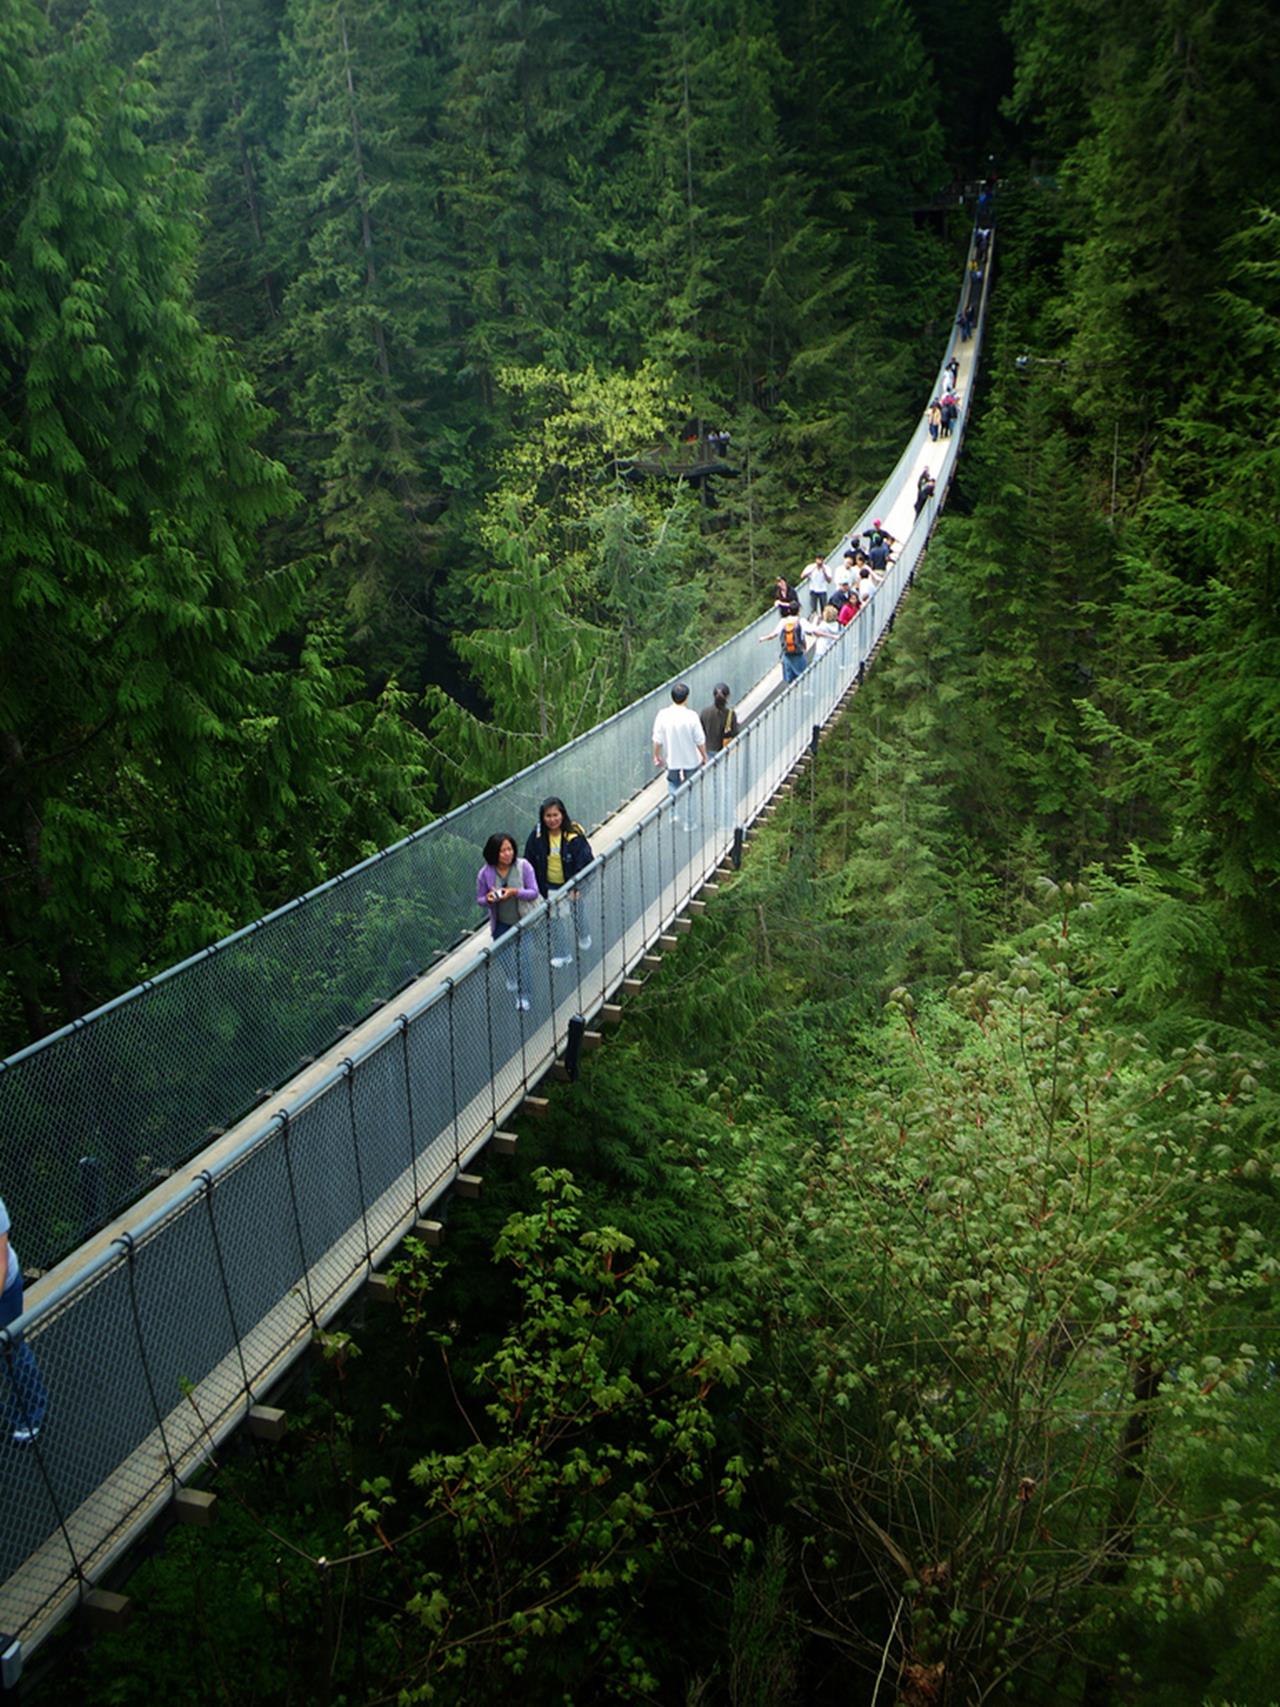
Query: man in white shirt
point(821, 585)
point(679, 741)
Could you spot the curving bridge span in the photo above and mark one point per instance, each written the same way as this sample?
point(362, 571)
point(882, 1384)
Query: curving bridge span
point(208, 1168)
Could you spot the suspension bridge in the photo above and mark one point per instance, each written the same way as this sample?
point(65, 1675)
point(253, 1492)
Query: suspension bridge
point(210, 1167)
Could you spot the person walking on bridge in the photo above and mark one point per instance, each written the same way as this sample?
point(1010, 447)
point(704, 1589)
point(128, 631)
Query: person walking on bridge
point(558, 850)
point(23, 1398)
point(507, 886)
point(719, 726)
point(719, 720)
point(792, 636)
point(822, 583)
point(678, 741)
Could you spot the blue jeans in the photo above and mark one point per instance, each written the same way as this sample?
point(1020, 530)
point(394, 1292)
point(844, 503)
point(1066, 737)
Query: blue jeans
point(568, 924)
point(793, 664)
point(23, 1398)
point(683, 815)
point(513, 958)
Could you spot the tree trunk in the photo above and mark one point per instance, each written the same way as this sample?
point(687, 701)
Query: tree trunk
point(1118, 1541)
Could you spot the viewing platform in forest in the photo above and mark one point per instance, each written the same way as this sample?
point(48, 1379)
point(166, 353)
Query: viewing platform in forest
point(290, 1102)
point(694, 461)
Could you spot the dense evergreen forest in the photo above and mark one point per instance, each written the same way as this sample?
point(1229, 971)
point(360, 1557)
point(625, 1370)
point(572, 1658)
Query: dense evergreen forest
point(888, 1315)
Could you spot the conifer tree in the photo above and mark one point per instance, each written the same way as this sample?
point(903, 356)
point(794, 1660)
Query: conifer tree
point(524, 145)
point(216, 69)
point(363, 312)
point(151, 735)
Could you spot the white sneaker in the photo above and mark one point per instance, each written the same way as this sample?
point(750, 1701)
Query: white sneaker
point(512, 986)
point(523, 1004)
point(24, 1436)
point(559, 960)
point(584, 943)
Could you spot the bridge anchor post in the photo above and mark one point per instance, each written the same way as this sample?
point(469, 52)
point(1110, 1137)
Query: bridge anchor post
point(573, 1047)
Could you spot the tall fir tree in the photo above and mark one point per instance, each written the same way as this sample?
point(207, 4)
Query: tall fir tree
point(153, 740)
point(362, 380)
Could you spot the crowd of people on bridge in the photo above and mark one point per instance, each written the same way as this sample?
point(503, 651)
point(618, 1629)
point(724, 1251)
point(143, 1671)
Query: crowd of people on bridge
point(510, 885)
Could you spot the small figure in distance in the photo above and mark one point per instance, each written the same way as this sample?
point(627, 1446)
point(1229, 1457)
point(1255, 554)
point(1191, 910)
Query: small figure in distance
point(678, 741)
point(506, 885)
point(951, 369)
point(784, 594)
point(935, 419)
point(925, 487)
point(25, 1403)
point(558, 850)
point(793, 638)
point(849, 608)
point(719, 720)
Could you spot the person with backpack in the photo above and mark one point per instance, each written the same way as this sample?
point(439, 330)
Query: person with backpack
point(878, 535)
point(558, 850)
point(792, 636)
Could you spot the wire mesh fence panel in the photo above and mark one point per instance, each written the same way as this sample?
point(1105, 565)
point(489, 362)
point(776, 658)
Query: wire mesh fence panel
point(96, 1419)
point(471, 1000)
point(182, 1346)
point(649, 837)
point(323, 1179)
point(430, 1074)
point(380, 1117)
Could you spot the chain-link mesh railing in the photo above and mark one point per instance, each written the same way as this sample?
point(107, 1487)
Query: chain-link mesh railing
point(94, 1114)
point(155, 1349)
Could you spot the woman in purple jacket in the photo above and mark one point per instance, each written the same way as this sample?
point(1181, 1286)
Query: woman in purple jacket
point(506, 885)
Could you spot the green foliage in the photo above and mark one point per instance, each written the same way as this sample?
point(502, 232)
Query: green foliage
point(587, 1472)
point(158, 748)
point(1027, 1274)
point(364, 308)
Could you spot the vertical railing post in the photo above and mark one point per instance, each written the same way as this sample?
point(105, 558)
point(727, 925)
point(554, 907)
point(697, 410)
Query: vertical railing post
point(126, 1243)
point(206, 1179)
point(304, 1267)
point(408, 1099)
point(349, 1069)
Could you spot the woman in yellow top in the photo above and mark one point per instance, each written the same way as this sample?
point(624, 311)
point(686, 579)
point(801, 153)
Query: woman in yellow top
point(558, 850)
